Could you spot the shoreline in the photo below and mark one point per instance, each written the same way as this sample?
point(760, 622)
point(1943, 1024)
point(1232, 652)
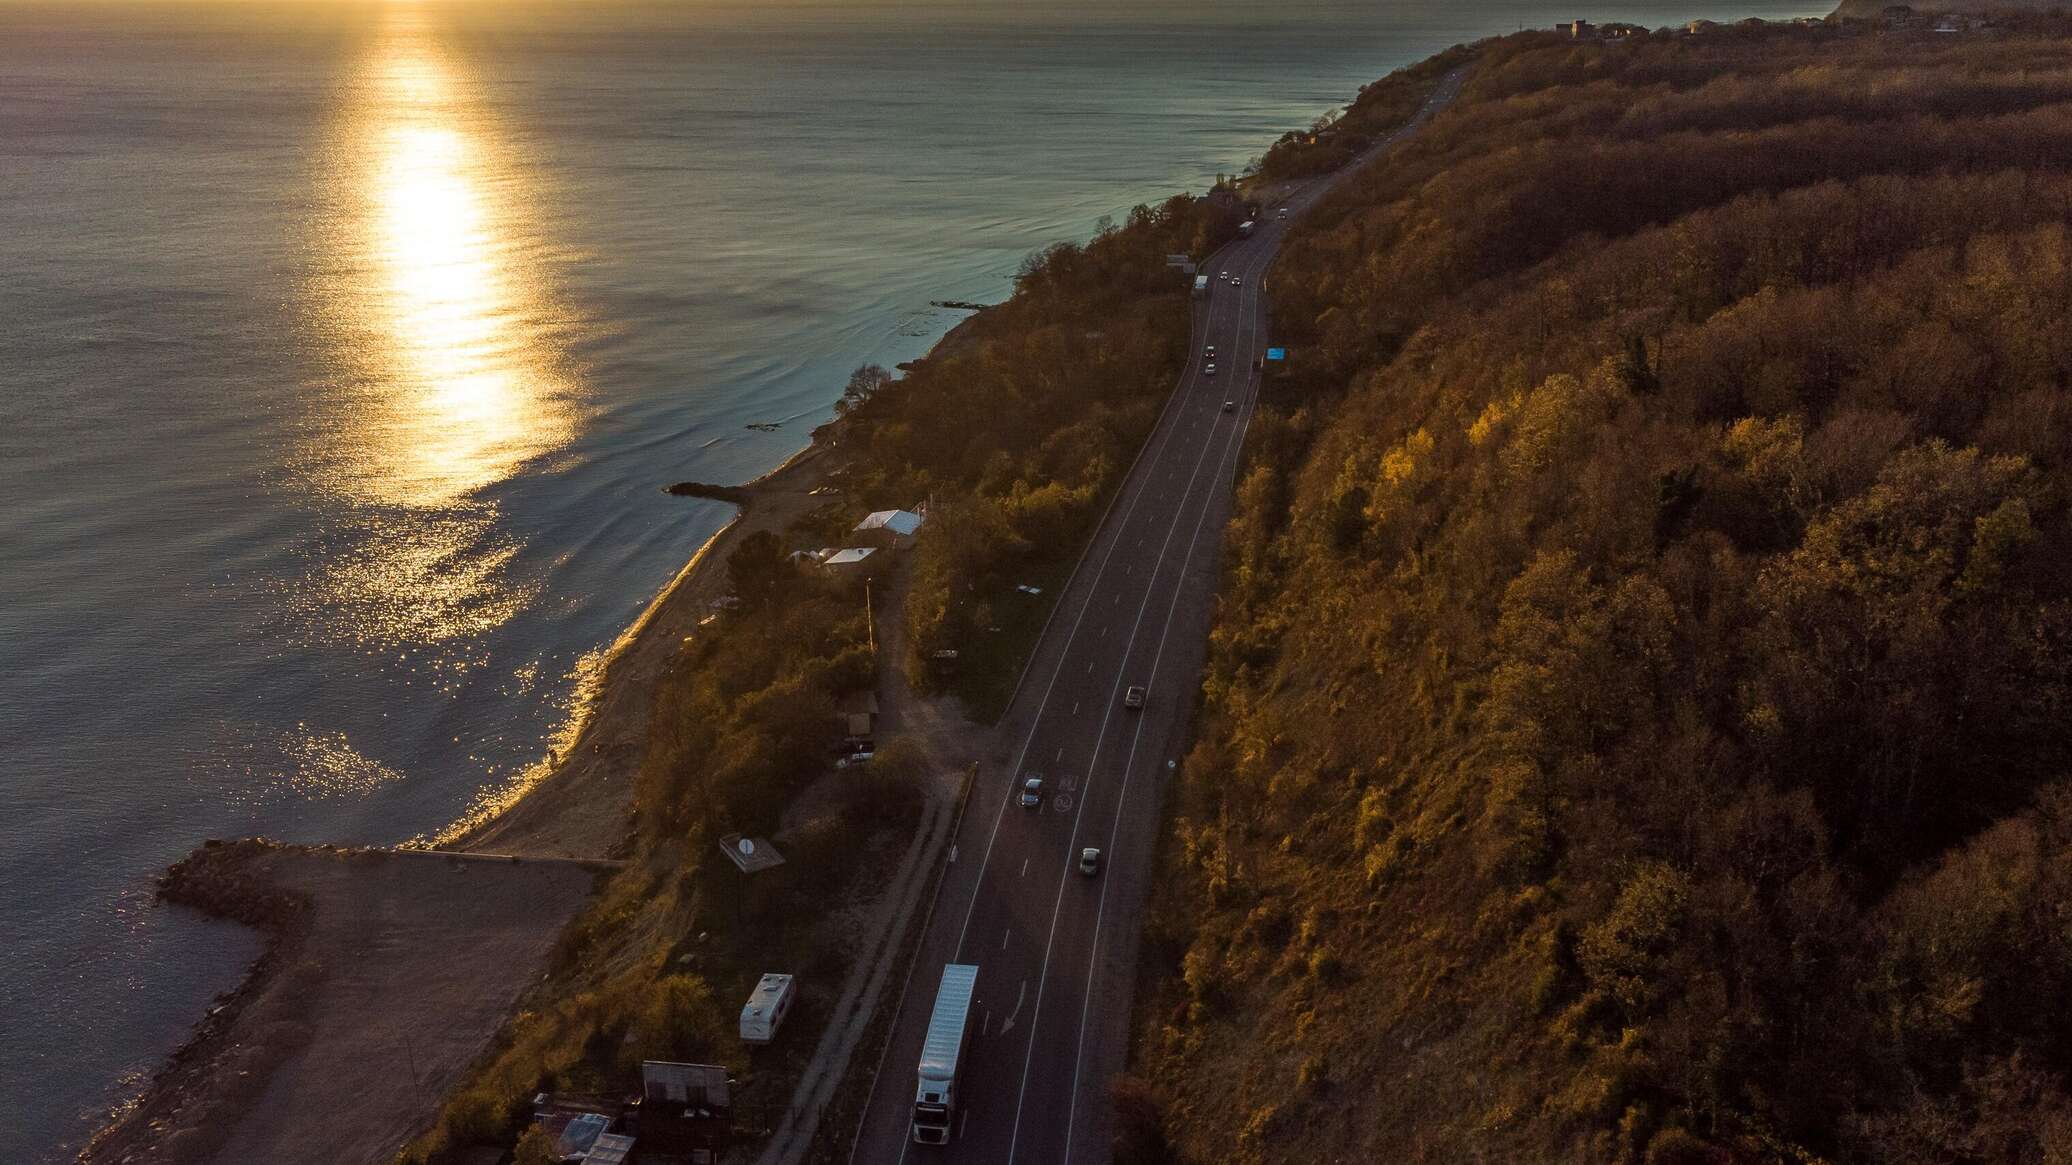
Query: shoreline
point(574, 806)
point(575, 811)
point(553, 812)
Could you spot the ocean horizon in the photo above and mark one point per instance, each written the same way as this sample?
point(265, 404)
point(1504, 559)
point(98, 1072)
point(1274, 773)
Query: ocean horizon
point(347, 349)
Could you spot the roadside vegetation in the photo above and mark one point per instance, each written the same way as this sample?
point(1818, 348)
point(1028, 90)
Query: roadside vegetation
point(1017, 437)
point(1636, 721)
point(1013, 439)
point(1381, 109)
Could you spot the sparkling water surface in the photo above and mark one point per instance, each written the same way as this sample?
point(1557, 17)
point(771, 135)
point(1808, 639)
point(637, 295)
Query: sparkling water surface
point(344, 347)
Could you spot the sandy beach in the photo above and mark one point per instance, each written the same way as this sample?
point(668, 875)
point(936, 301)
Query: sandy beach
point(578, 807)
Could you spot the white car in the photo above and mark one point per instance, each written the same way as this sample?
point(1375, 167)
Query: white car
point(1236, 282)
point(1209, 369)
point(1230, 406)
point(1226, 275)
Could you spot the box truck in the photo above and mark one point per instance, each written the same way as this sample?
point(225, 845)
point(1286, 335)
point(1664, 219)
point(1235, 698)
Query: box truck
point(949, 1031)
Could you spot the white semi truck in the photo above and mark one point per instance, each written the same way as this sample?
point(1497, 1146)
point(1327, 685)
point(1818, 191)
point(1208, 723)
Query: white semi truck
point(949, 1031)
point(1201, 287)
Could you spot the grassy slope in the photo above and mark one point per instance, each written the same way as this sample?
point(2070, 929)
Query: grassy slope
point(1633, 725)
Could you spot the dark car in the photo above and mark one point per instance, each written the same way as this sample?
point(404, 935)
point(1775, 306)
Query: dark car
point(1032, 791)
point(1134, 698)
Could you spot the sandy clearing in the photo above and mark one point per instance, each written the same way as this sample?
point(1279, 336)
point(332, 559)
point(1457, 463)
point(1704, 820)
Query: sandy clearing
point(389, 983)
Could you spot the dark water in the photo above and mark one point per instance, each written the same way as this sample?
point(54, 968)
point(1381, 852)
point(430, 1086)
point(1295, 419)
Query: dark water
point(343, 350)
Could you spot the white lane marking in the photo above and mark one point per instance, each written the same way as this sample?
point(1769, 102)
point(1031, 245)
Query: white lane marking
point(1233, 446)
point(1007, 1025)
point(1025, 867)
point(963, 1120)
point(1089, 666)
point(1075, 707)
point(1058, 902)
point(1059, 756)
point(1005, 936)
point(985, 1026)
point(1161, 441)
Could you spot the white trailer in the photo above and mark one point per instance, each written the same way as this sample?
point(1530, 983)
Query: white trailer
point(1245, 228)
point(949, 1031)
point(766, 1008)
point(1201, 287)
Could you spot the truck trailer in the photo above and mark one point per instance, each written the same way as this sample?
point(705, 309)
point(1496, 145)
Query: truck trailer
point(949, 1031)
point(1201, 287)
point(1245, 228)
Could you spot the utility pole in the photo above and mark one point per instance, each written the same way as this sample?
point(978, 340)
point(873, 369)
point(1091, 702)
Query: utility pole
point(869, 628)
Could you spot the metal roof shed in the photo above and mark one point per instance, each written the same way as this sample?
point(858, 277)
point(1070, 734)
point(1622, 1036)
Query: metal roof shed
point(610, 1149)
point(704, 1085)
point(904, 523)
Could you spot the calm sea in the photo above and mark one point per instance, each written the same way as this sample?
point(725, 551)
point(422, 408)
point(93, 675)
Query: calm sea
point(344, 347)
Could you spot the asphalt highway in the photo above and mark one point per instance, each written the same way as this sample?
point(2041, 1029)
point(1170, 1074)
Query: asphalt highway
point(1057, 950)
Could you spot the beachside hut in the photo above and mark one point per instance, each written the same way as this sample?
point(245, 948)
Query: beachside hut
point(610, 1149)
point(685, 1109)
point(856, 560)
point(889, 529)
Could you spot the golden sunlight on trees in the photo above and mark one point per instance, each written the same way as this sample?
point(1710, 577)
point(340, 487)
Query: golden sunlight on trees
point(1644, 666)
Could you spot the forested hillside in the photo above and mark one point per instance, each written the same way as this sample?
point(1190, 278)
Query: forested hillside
point(1636, 726)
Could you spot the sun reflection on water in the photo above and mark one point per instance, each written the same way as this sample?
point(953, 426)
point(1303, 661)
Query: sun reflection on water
point(449, 353)
point(467, 376)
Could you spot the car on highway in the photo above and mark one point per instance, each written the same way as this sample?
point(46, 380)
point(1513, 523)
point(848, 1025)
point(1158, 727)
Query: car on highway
point(1134, 698)
point(1230, 406)
point(1209, 353)
point(1209, 369)
point(1236, 282)
point(1089, 861)
point(1283, 213)
point(861, 756)
point(1226, 276)
point(1032, 791)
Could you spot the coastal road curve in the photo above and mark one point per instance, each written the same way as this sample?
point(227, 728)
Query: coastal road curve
point(1056, 950)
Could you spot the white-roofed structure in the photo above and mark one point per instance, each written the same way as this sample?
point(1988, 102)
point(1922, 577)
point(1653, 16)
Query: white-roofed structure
point(698, 1085)
point(848, 559)
point(891, 528)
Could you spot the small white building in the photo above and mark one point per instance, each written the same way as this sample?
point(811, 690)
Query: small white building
point(766, 1008)
point(894, 529)
point(848, 560)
